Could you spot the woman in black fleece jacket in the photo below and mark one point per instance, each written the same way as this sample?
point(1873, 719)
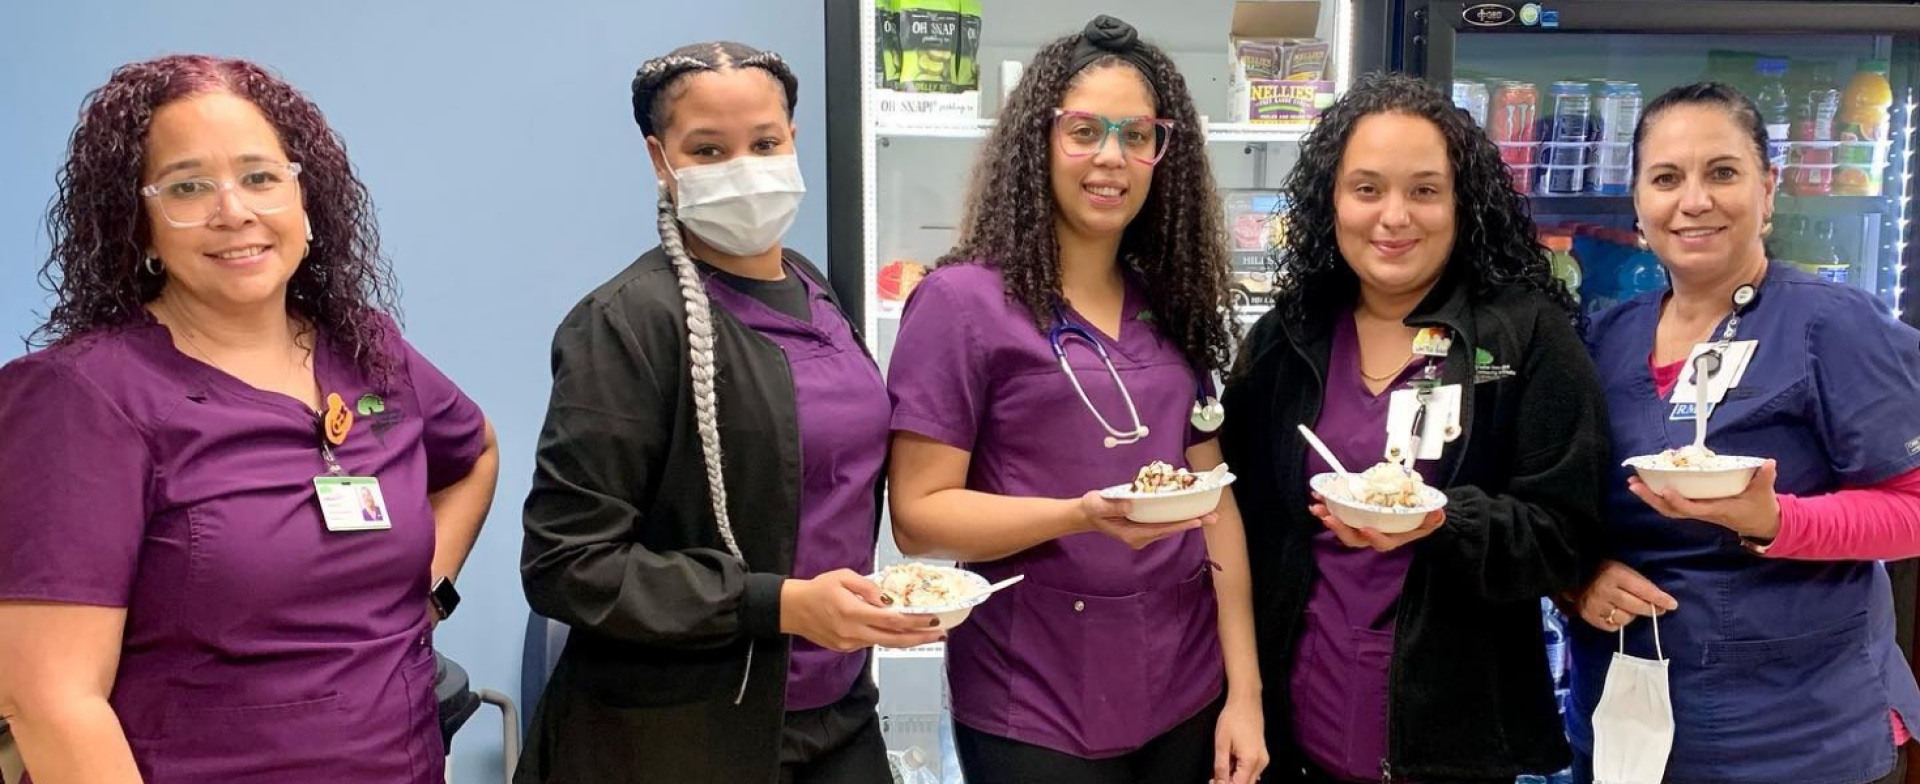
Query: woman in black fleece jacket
point(1415, 656)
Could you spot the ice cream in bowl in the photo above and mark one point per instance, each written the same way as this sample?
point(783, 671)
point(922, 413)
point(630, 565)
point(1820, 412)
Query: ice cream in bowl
point(1695, 472)
point(1160, 493)
point(924, 589)
point(1386, 498)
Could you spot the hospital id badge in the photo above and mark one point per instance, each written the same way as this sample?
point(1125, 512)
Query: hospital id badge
point(352, 503)
point(1733, 367)
point(1440, 424)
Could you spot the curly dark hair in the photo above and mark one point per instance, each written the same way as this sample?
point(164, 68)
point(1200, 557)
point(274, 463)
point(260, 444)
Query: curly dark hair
point(1176, 245)
point(100, 233)
point(1494, 234)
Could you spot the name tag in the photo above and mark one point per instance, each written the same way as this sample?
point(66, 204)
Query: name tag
point(1733, 367)
point(352, 503)
point(1441, 424)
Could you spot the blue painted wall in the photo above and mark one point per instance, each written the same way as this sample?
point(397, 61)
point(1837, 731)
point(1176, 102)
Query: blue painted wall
point(509, 179)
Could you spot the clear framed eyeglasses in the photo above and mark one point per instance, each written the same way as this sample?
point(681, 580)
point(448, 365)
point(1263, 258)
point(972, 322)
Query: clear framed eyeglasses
point(263, 188)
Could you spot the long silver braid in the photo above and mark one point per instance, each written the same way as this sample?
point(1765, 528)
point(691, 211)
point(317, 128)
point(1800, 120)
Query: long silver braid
point(706, 404)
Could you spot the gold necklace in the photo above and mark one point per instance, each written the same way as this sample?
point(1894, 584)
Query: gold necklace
point(1362, 367)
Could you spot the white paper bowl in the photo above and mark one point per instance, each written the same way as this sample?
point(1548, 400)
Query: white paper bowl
point(1728, 479)
point(952, 613)
point(1385, 519)
point(1176, 507)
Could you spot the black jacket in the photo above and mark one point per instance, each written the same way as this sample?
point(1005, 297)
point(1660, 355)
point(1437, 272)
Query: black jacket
point(1470, 692)
point(621, 545)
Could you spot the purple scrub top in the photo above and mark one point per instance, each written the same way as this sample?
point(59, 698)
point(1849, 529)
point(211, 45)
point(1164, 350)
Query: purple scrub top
point(843, 411)
point(1340, 674)
point(259, 646)
point(1101, 648)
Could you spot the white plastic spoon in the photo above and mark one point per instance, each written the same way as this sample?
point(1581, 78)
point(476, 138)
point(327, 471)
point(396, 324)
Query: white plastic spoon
point(1353, 486)
point(991, 589)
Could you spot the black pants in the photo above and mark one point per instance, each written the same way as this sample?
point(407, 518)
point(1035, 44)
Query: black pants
point(837, 744)
point(1182, 755)
point(1308, 774)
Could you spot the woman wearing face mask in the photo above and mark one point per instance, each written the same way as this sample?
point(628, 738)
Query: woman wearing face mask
point(1774, 613)
point(1413, 656)
point(191, 589)
point(706, 490)
point(1064, 344)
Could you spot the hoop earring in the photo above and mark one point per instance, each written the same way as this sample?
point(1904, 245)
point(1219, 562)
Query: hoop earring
point(1640, 241)
point(153, 266)
point(1766, 229)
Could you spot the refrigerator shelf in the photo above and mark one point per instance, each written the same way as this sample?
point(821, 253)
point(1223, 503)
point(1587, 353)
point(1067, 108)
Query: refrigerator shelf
point(1794, 205)
point(897, 127)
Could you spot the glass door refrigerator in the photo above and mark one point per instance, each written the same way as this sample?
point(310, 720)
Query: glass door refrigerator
point(1559, 86)
point(903, 133)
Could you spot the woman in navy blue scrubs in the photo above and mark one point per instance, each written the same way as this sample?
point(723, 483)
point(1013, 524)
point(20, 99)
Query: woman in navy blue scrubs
point(1774, 612)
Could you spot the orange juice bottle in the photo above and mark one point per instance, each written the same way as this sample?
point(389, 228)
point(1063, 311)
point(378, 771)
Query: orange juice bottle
point(1861, 127)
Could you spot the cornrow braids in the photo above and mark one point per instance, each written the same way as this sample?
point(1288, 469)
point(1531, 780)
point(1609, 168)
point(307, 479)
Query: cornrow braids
point(658, 81)
point(1176, 244)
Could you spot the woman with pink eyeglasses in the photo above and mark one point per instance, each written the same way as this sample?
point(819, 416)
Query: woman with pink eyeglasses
point(1066, 342)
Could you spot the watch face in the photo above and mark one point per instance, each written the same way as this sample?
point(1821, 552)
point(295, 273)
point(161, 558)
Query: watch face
point(445, 597)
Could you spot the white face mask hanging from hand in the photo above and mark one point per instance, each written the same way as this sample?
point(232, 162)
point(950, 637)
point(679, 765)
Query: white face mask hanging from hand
point(1633, 724)
point(743, 206)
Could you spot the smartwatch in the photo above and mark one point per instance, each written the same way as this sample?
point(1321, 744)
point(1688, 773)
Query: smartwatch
point(444, 597)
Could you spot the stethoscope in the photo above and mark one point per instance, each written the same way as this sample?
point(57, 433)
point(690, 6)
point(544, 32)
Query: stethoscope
point(1206, 416)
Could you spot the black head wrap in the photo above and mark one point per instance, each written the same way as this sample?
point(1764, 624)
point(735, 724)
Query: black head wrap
point(1107, 36)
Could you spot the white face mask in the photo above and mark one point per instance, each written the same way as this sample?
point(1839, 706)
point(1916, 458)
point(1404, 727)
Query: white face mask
point(1633, 724)
point(743, 206)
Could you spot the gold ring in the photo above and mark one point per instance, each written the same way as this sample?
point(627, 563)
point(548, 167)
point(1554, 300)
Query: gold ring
point(1610, 612)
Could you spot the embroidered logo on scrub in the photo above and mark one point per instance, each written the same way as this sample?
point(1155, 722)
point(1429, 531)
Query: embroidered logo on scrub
point(339, 420)
point(1484, 369)
point(384, 418)
point(1913, 447)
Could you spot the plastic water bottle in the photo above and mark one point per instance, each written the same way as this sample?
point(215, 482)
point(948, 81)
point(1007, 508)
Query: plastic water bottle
point(1640, 272)
point(1772, 100)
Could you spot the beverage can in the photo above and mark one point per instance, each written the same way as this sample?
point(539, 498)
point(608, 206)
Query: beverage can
point(1617, 114)
point(1566, 139)
point(1473, 97)
point(1510, 121)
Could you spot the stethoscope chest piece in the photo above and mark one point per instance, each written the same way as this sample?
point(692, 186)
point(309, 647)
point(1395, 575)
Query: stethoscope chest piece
point(1207, 414)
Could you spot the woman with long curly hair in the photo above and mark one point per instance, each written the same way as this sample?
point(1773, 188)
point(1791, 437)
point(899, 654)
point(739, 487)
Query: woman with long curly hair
point(189, 590)
point(1066, 342)
point(1415, 296)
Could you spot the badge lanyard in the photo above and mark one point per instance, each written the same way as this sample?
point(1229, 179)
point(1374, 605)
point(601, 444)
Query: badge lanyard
point(1710, 361)
point(347, 503)
point(1432, 343)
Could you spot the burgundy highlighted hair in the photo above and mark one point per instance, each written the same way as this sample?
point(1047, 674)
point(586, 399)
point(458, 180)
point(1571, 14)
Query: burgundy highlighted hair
point(100, 233)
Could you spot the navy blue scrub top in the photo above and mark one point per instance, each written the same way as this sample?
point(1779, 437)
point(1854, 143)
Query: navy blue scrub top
point(1781, 670)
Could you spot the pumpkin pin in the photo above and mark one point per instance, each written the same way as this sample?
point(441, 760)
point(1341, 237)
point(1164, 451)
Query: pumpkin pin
point(339, 419)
